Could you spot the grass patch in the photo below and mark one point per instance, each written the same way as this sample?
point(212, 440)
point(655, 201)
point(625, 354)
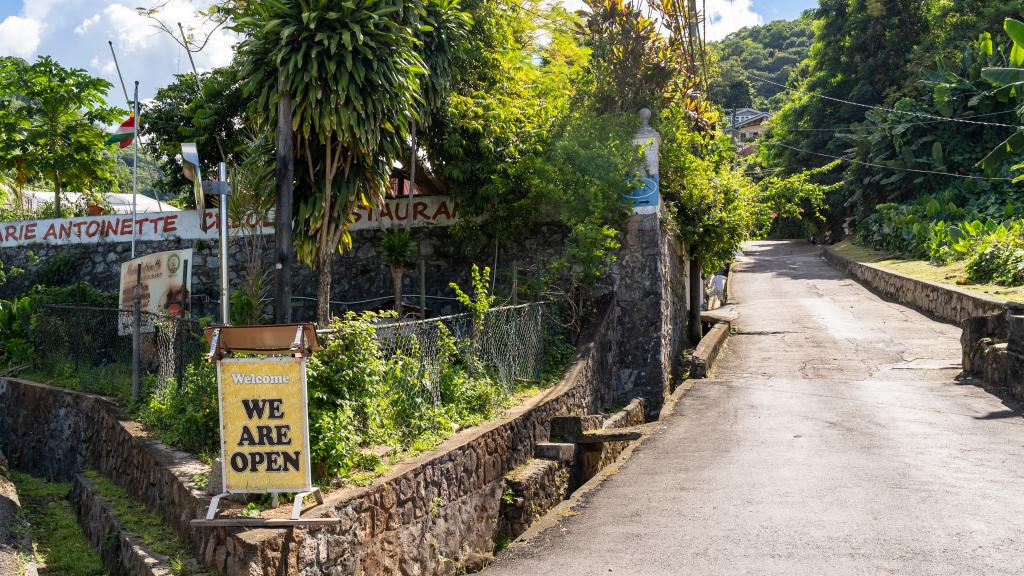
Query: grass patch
point(59, 546)
point(114, 380)
point(140, 522)
point(953, 274)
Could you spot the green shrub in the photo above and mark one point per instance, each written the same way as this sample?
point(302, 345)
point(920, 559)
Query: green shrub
point(999, 262)
point(184, 414)
point(360, 396)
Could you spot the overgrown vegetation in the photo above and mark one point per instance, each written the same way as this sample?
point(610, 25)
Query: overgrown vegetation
point(918, 100)
point(59, 545)
point(770, 51)
point(141, 523)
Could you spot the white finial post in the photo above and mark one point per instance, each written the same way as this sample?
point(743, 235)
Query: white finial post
point(646, 199)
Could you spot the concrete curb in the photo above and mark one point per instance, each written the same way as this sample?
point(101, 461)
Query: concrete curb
point(708, 350)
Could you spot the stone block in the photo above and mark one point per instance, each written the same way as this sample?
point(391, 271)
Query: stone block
point(558, 451)
point(568, 426)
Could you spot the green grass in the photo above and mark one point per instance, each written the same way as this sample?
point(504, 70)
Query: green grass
point(952, 274)
point(59, 545)
point(113, 380)
point(143, 524)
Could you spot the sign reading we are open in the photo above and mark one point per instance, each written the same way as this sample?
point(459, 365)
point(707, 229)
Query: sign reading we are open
point(264, 429)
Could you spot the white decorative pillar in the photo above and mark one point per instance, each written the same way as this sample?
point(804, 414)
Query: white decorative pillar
point(646, 199)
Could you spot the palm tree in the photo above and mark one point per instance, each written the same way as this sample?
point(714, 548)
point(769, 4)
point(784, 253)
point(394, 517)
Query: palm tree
point(397, 250)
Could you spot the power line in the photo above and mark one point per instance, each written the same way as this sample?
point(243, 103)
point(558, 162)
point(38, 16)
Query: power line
point(883, 126)
point(851, 160)
point(893, 110)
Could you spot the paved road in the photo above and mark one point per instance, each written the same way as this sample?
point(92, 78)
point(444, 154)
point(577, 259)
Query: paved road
point(832, 440)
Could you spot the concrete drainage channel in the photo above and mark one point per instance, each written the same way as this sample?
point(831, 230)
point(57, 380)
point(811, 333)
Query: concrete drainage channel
point(580, 447)
point(86, 528)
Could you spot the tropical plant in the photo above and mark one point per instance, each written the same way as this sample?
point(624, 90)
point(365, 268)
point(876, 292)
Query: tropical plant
point(56, 118)
point(1011, 80)
point(212, 113)
point(396, 250)
point(355, 74)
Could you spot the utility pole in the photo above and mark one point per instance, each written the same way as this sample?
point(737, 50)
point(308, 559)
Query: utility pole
point(284, 175)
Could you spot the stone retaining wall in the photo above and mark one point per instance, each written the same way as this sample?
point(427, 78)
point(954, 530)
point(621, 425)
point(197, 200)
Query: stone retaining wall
point(121, 554)
point(15, 544)
point(944, 303)
point(55, 433)
point(358, 274)
point(530, 491)
point(435, 513)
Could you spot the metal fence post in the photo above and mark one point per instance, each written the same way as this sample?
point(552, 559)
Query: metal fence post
point(423, 288)
point(515, 282)
point(186, 305)
point(136, 327)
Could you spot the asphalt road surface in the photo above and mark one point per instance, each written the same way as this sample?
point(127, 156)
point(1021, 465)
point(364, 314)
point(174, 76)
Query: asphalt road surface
point(832, 439)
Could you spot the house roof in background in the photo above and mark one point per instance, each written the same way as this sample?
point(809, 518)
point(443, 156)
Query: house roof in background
point(119, 202)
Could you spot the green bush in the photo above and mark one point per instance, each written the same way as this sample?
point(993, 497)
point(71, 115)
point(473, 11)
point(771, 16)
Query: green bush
point(1000, 262)
point(184, 414)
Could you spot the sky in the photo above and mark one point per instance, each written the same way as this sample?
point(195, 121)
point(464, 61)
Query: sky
point(75, 33)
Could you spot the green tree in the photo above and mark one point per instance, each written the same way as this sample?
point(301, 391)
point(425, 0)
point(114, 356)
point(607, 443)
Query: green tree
point(58, 123)
point(630, 60)
point(771, 51)
point(859, 54)
point(1011, 80)
point(213, 117)
point(355, 74)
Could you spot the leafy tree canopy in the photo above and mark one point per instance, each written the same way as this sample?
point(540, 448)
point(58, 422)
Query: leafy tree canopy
point(53, 124)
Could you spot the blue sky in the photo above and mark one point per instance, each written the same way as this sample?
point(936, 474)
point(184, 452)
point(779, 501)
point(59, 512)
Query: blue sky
point(75, 32)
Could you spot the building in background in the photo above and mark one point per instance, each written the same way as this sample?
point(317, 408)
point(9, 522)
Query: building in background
point(745, 124)
point(119, 203)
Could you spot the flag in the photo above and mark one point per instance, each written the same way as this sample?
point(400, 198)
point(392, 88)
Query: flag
point(124, 135)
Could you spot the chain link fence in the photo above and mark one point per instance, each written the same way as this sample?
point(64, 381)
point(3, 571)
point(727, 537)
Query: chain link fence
point(90, 348)
point(508, 342)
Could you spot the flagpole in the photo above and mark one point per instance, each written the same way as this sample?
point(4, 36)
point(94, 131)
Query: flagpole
point(118, 68)
point(135, 165)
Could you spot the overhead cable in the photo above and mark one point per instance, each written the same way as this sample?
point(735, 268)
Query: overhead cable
point(884, 109)
point(851, 160)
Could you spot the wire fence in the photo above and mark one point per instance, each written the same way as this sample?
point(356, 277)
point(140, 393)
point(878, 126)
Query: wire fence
point(90, 348)
point(508, 342)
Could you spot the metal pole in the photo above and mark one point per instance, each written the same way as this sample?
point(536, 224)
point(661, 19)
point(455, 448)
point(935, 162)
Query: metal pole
point(412, 180)
point(225, 303)
point(186, 297)
point(135, 164)
point(284, 174)
point(118, 68)
point(423, 288)
point(136, 326)
point(515, 282)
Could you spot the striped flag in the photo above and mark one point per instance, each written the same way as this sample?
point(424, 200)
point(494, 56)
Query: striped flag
point(124, 135)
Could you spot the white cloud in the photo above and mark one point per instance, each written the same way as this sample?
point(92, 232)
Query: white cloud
point(82, 28)
point(726, 16)
point(19, 36)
